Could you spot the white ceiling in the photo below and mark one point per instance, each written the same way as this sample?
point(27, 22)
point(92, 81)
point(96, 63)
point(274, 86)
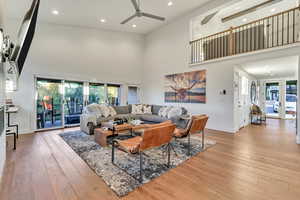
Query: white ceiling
point(87, 13)
point(274, 68)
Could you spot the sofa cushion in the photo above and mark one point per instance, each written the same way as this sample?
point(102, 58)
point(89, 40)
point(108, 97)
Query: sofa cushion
point(153, 118)
point(122, 109)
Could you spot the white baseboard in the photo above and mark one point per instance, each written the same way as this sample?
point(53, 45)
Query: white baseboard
point(298, 139)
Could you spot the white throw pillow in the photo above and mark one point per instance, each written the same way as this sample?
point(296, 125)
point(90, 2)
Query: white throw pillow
point(147, 109)
point(105, 111)
point(174, 112)
point(112, 111)
point(162, 112)
point(93, 108)
point(137, 109)
point(167, 111)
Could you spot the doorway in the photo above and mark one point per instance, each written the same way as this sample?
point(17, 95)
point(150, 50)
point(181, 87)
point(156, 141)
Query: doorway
point(273, 100)
point(281, 99)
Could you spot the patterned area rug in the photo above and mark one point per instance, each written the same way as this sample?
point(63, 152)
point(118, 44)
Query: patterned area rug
point(117, 176)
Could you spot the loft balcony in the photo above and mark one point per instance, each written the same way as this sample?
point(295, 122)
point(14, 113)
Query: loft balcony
point(277, 30)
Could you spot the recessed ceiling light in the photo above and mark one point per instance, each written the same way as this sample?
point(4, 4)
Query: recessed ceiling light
point(170, 3)
point(133, 25)
point(245, 19)
point(102, 20)
point(273, 9)
point(55, 12)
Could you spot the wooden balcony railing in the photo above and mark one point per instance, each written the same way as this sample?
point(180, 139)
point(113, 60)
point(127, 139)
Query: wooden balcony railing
point(273, 31)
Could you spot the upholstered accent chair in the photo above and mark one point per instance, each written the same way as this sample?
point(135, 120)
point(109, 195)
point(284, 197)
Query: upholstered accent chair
point(197, 124)
point(156, 136)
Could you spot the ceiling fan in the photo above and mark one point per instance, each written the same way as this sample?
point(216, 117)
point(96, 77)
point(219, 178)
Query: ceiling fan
point(139, 13)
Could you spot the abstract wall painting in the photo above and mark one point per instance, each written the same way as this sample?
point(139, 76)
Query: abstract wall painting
point(189, 87)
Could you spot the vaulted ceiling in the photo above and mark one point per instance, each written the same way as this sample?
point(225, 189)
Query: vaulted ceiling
point(88, 13)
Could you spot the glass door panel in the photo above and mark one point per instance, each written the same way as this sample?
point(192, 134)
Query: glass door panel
point(73, 95)
point(49, 103)
point(114, 95)
point(96, 93)
point(133, 95)
point(291, 100)
point(273, 104)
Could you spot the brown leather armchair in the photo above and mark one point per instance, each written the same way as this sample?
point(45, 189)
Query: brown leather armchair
point(196, 125)
point(155, 136)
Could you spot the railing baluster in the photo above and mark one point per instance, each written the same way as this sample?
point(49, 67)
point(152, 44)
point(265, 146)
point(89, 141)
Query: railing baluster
point(293, 26)
point(282, 30)
point(288, 28)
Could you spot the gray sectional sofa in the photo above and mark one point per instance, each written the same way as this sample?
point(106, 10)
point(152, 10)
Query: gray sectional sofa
point(91, 118)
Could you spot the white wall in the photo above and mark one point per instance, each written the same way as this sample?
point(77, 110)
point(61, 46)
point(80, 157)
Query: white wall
point(77, 54)
point(2, 94)
point(167, 52)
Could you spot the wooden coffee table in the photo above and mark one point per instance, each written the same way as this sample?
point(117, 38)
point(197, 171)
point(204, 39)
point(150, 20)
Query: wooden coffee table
point(101, 134)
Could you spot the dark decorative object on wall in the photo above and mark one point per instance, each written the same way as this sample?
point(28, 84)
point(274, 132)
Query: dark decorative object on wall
point(253, 94)
point(189, 87)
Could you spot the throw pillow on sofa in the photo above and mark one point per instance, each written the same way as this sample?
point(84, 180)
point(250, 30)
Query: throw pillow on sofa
point(112, 111)
point(105, 111)
point(147, 109)
point(174, 112)
point(137, 109)
point(163, 112)
point(93, 108)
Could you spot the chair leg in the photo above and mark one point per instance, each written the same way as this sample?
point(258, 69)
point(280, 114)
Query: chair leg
point(203, 145)
point(189, 144)
point(113, 152)
point(15, 140)
point(169, 154)
point(141, 167)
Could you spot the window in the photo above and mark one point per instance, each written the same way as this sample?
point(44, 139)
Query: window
point(113, 94)
point(133, 95)
point(9, 85)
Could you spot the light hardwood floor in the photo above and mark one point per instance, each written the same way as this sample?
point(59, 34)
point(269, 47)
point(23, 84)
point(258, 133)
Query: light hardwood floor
point(258, 163)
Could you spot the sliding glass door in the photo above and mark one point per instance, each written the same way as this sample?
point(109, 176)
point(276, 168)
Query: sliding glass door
point(49, 103)
point(97, 93)
point(73, 102)
point(113, 94)
point(60, 102)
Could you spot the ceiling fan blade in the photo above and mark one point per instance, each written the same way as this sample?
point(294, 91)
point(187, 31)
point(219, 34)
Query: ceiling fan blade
point(153, 16)
point(128, 19)
point(135, 4)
